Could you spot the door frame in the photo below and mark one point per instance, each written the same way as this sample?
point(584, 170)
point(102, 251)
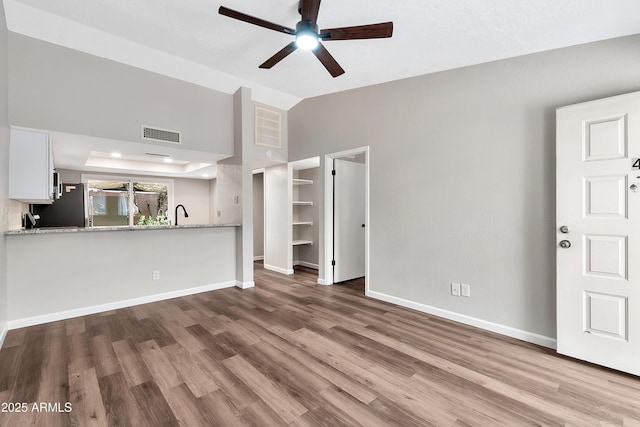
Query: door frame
point(328, 215)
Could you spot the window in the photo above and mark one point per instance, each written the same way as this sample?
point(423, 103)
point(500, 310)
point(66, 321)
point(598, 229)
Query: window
point(128, 201)
point(151, 203)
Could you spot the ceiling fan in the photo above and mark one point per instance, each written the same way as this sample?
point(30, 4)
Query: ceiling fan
point(308, 37)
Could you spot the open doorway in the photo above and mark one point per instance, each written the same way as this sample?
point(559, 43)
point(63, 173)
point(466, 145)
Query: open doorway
point(347, 217)
point(306, 198)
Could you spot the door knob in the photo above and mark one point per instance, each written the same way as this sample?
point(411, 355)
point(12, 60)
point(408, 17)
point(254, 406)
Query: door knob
point(565, 229)
point(565, 244)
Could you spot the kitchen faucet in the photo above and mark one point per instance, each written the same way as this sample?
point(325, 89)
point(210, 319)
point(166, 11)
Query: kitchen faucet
point(186, 215)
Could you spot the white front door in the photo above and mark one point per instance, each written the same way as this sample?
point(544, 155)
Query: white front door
point(348, 220)
point(598, 232)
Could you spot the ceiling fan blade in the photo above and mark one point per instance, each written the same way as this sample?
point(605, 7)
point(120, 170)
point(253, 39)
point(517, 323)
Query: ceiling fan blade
point(372, 31)
point(328, 61)
point(283, 53)
point(255, 21)
point(310, 10)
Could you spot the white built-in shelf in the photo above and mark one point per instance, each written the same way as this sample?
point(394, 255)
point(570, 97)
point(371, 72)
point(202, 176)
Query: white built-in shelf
point(302, 242)
point(299, 203)
point(303, 223)
point(297, 181)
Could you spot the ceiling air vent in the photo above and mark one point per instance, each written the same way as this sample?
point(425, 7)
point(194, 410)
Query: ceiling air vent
point(268, 124)
point(162, 135)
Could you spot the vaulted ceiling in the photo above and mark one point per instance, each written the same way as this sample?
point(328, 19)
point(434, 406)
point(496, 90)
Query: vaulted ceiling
point(189, 40)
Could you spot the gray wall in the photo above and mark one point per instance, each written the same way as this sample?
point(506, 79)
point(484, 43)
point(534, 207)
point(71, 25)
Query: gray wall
point(258, 215)
point(213, 203)
point(462, 174)
point(60, 89)
point(4, 173)
point(80, 270)
point(194, 195)
point(277, 214)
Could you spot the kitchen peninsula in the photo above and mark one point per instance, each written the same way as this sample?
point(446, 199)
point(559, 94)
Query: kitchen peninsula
point(60, 273)
point(54, 230)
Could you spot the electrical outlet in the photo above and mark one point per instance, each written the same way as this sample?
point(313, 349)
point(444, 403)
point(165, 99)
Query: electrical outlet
point(155, 275)
point(466, 290)
point(455, 289)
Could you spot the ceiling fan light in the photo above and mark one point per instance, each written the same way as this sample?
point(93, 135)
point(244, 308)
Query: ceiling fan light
point(307, 40)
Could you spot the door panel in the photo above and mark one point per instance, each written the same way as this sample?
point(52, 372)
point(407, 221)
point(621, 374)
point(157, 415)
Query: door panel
point(349, 216)
point(605, 256)
point(606, 197)
point(605, 138)
point(606, 315)
point(598, 286)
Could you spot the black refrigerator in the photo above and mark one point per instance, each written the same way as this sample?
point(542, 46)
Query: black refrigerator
point(67, 211)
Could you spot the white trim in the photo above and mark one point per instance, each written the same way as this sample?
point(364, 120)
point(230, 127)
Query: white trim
point(289, 218)
point(322, 282)
point(3, 334)
point(328, 213)
point(278, 269)
point(258, 258)
point(468, 320)
point(69, 314)
point(245, 285)
point(306, 264)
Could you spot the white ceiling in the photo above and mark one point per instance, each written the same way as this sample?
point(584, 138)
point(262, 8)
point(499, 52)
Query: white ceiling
point(189, 40)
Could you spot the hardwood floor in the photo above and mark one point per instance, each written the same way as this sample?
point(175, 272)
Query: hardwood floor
point(289, 352)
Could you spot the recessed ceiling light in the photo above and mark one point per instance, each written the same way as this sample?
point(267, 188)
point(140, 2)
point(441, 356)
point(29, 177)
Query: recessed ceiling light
point(116, 155)
point(168, 160)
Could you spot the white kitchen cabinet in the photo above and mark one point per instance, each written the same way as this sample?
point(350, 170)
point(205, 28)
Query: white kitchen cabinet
point(30, 167)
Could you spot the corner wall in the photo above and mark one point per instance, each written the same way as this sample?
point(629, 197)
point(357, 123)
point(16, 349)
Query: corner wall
point(277, 217)
point(463, 178)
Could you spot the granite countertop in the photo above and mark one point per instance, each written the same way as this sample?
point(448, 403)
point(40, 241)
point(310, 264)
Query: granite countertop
point(53, 230)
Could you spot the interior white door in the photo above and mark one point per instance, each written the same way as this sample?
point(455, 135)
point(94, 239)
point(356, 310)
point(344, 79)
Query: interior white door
point(598, 232)
point(348, 220)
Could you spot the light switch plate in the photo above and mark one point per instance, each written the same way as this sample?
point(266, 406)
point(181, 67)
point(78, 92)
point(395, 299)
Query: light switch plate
point(465, 290)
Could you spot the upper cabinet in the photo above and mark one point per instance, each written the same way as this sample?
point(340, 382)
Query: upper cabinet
point(30, 167)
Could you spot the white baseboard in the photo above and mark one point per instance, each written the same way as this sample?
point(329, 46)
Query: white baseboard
point(306, 264)
point(322, 282)
point(258, 258)
point(245, 285)
point(278, 269)
point(468, 320)
point(69, 314)
point(3, 334)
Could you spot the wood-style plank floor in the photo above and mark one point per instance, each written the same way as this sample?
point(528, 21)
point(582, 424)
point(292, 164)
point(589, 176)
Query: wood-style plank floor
point(289, 352)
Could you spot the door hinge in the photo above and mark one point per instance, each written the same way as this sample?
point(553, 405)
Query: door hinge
point(333, 172)
point(333, 262)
